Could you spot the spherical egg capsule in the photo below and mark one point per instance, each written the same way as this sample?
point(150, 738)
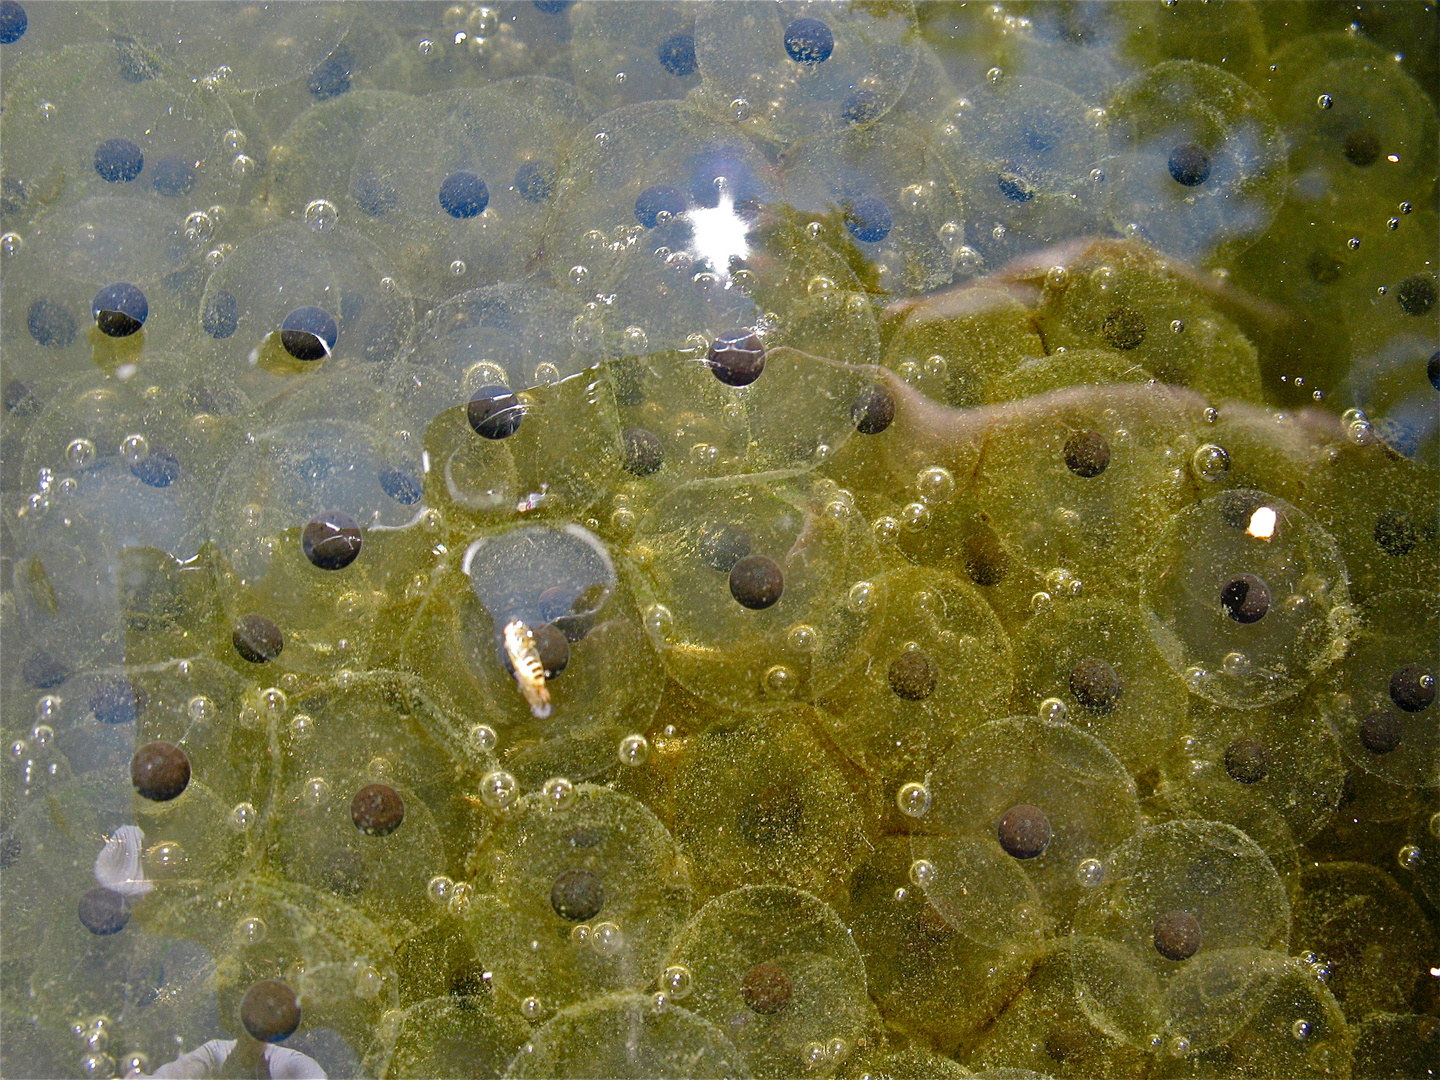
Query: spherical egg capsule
point(624, 1030)
point(450, 1033)
point(801, 65)
point(107, 133)
point(1383, 692)
point(882, 191)
point(435, 178)
point(604, 857)
point(942, 662)
point(917, 966)
point(739, 625)
point(798, 986)
point(791, 812)
point(1250, 578)
point(1012, 827)
point(654, 54)
point(1145, 940)
point(1185, 168)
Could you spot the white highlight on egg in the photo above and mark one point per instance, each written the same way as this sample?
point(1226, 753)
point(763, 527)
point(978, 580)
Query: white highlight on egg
point(1262, 523)
point(118, 867)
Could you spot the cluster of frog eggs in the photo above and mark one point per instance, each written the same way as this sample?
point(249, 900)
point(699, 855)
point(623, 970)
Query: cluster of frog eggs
point(500, 594)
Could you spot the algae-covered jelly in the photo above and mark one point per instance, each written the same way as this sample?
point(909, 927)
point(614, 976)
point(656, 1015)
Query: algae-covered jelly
point(738, 538)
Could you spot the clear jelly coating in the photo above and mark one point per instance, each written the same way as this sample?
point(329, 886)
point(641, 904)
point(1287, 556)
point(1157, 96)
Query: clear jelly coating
point(676, 538)
point(1246, 598)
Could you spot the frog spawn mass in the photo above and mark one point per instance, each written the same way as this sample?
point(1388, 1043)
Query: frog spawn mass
point(692, 539)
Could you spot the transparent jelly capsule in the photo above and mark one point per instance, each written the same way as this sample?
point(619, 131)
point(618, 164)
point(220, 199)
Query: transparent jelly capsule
point(1380, 699)
point(604, 859)
point(88, 251)
point(68, 600)
point(623, 1033)
point(286, 298)
point(93, 120)
point(1368, 140)
point(884, 192)
point(1044, 1030)
point(1376, 504)
point(793, 815)
point(1024, 148)
point(370, 844)
point(978, 335)
point(272, 47)
point(156, 436)
point(1245, 575)
point(1123, 297)
point(620, 57)
point(730, 617)
point(1197, 161)
point(1015, 811)
point(1106, 464)
point(802, 410)
point(502, 453)
point(314, 943)
point(778, 968)
point(918, 967)
point(1342, 911)
point(941, 665)
point(195, 709)
point(453, 1033)
point(598, 668)
point(803, 68)
point(677, 420)
point(1178, 900)
point(1256, 769)
point(467, 174)
point(291, 474)
point(1097, 657)
point(314, 156)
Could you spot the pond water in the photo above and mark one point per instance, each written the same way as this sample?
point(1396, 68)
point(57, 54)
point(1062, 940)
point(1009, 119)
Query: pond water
point(719, 539)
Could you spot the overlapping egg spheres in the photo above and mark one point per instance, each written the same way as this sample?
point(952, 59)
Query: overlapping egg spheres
point(719, 539)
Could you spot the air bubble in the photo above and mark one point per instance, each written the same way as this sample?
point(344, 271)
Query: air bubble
point(558, 793)
point(498, 789)
point(922, 872)
point(80, 453)
point(134, 449)
point(1052, 709)
point(1325, 101)
point(934, 484)
point(1410, 857)
point(1210, 462)
point(1089, 872)
point(634, 750)
point(678, 980)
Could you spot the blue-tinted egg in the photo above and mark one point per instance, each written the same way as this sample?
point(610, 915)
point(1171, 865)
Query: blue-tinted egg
point(221, 315)
point(118, 161)
point(172, 175)
point(654, 201)
point(535, 182)
point(309, 333)
point(868, 220)
point(464, 195)
point(50, 324)
point(13, 22)
point(332, 77)
point(120, 310)
point(809, 41)
point(677, 55)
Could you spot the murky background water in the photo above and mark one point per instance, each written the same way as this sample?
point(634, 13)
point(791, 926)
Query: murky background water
point(719, 539)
